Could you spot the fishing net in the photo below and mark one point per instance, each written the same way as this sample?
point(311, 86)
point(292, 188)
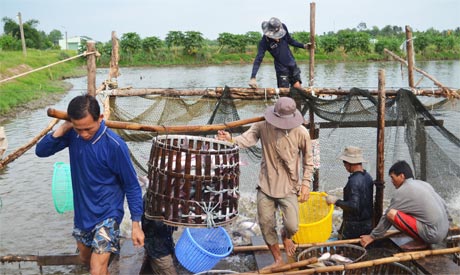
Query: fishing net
point(414, 131)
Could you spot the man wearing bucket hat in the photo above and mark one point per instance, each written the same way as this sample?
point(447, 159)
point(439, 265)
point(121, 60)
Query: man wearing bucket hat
point(357, 203)
point(102, 176)
point(286, 147)
point(276, 40)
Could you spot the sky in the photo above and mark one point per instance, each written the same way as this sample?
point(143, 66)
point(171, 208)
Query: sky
point(98, 18)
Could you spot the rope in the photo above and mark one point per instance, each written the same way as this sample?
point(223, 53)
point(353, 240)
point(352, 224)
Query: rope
point(47, 66)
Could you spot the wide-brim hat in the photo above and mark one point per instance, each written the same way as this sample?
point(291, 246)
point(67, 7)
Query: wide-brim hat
point(273, 28)
point(284, 114)
point(352, 154)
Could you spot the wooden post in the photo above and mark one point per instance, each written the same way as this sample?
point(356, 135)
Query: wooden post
point(379, 182)
point(410, 56)
point(314, 133)
point(23, 40)
point(312, 46)
point(91, 67)
point(114, 69)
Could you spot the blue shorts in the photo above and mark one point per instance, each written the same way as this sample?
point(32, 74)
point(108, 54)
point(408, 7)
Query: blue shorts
point(104, 238)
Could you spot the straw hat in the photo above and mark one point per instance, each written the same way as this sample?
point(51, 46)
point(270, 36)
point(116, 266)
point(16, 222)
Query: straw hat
point(284, 114)
point(352, 154)
point(273, 28)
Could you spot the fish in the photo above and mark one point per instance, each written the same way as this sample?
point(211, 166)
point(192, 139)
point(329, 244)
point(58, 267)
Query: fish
point(340, 259)
point(324, 257)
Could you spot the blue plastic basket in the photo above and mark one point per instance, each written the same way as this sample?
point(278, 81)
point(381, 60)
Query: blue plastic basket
point(200, 249)
point(61, 188)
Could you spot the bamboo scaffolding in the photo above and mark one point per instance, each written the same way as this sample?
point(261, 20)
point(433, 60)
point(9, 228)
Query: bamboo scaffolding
point(446, 92)
point(238, 249)
point(251, 94)
point(399, 257)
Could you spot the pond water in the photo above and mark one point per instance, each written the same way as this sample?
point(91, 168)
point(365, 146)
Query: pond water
point(29, 223)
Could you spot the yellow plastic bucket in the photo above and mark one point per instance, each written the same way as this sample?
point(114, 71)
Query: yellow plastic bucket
point(315, 219)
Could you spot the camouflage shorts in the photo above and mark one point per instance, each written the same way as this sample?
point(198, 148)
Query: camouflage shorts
point(104, 238)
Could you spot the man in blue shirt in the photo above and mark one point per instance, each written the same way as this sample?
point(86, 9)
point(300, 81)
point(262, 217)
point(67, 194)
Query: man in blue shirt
point(276, 41)
point(102, 174)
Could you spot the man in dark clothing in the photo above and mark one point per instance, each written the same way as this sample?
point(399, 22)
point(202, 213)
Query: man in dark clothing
point(159, 247)
point(276, 41)
point(357, 203)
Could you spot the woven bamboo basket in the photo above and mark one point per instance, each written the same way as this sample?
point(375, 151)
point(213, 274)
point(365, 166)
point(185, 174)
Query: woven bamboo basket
point(193, 181)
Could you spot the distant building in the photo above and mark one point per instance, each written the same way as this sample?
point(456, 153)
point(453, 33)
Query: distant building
point(73, 43)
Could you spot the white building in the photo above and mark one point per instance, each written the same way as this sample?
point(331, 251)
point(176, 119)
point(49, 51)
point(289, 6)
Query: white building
point(73, 43)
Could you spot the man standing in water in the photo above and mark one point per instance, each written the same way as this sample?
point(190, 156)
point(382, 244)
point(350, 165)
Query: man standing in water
point(102, 174)
point(286, 146)
point(276, 41)
point(415, 209)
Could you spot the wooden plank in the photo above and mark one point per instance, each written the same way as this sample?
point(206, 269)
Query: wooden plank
point(437, 264)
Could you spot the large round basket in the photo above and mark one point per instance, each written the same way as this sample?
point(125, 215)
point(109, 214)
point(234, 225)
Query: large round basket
point(315, 220)
point(200, 249)
point(351, 251)
point(193, 181)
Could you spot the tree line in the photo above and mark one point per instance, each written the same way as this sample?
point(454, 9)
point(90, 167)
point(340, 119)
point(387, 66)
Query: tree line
point(189, 46)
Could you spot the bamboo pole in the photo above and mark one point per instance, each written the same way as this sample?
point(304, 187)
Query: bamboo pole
point(312, 45)
point(400, 257)
point(238, 249)
point(13, 156)
point(47, 66)
point(163, 128)
point(446, 92)
point(253, 94)
point(285, 267)
point(379, 181)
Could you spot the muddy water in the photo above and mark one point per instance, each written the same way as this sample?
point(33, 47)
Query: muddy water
point(29, 224)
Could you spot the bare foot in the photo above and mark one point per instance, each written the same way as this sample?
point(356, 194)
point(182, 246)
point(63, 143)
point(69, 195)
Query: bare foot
point(289, 245)
point(273, 265)
point(414, 245)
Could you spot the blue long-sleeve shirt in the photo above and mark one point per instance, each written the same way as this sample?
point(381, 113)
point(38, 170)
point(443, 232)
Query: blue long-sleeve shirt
point(283, 58)
point(102, 174)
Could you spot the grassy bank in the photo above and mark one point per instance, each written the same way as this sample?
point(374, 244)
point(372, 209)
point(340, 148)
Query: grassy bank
point(37, 85)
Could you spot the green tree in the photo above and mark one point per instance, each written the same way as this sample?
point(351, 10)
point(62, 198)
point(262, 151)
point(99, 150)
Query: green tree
point(354, 41)
point(253, 38)
point(193, 41)
point(174, 39)
point(55, 36)
point(328, 43)
point(150, 44)
point(390, 43)
point(9, 43)
point(130, 43)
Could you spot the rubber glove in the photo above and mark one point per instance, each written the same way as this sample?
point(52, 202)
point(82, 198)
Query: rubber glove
point(331, 199)
point(253, 83)
point(307, 46)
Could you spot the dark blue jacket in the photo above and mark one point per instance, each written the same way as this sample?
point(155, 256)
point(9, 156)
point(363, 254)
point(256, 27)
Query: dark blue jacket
point(102, 174)
point(358, 200)
point(283, 58)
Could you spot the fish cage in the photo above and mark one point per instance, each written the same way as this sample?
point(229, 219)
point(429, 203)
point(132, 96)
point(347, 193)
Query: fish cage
point(193, 181)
